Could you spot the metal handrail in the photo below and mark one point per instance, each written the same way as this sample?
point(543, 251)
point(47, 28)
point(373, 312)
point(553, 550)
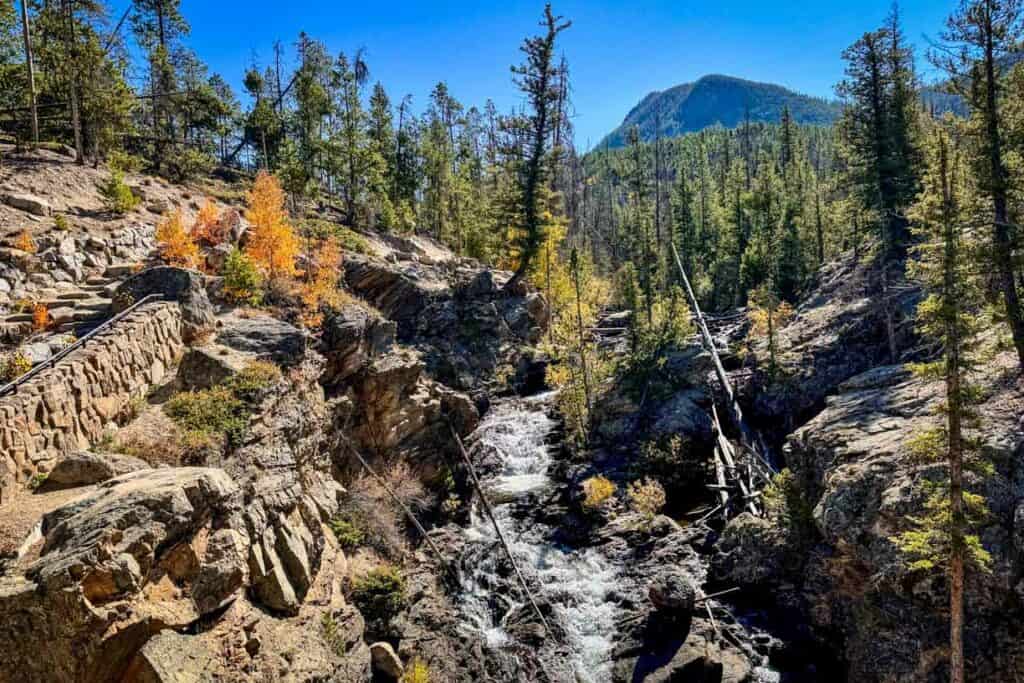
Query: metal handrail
point(53, 360)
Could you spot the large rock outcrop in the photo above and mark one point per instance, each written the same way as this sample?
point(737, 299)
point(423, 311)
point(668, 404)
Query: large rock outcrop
point(860, 480)
point(352, 337)
point(839, 330)
point(144, 552)
point(186, 287)
point(455, 312)
point(392, 406)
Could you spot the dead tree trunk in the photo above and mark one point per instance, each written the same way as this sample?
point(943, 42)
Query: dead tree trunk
point(749, 438)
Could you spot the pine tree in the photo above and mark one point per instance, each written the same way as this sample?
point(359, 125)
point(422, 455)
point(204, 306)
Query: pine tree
point(877, 129)
point(536, 77)
point(312, 105)
point(941, 538)
point(980, 35)
point(159, 26)
point(684, 227)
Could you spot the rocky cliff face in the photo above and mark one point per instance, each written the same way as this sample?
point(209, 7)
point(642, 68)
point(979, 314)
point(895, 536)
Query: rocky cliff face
point(467, 329)
point(828, 554)
point(227, 568)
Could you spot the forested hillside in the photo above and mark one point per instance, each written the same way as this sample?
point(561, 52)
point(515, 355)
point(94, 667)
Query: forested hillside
point(718, 100)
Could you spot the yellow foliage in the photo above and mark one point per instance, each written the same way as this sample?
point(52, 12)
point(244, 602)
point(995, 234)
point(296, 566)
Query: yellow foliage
point(646, 497)
point(416, 672)
point(208, 228)
point(597, 491)
point(321, 286)
point(14, 366)
point(40, 317)
point(758, 316)
point(176, 244)
point(25, 242)
point(272, 244)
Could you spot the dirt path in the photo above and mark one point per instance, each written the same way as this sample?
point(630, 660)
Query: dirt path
point(22, 510)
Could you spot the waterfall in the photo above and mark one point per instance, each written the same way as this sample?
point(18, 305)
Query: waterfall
point(576, 583)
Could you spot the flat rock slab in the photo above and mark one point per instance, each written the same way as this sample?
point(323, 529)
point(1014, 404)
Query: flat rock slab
point(170, 657)
point(269, 338)
point(28, 202)
point(83, 468)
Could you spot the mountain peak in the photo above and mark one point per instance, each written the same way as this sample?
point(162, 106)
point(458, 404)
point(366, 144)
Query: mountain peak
point(719, 99)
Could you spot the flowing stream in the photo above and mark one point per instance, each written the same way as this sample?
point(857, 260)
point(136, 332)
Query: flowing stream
point(578, 584)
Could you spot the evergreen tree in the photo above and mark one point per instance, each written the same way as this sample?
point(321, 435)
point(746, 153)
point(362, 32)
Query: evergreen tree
point(159, 26)
point(980, 36)
point(536, 77)
point(941, 538)
point(877, 129)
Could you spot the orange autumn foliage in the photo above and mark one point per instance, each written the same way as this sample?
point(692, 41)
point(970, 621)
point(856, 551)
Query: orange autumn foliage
point(208, 228)
point(40, 317)
point(177, 246)
point(321, 286)
point(272, 245)
point(25, 242)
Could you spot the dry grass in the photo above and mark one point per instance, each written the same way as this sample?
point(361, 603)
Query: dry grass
point(371, 509)
point(152, 437)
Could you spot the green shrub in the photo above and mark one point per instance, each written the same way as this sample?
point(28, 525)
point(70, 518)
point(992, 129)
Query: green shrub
point(204, 414)
point(350, 241)
point(37, 480)
point(222, 410)
point(332, 634)
point(379, 595)
point(188, 164)
point(117, 196)
point(242, 280)
point(646, 497)
point(125, 162)
point(60, 222)
point(250, 384)
point(784, 501)
point(348, 534)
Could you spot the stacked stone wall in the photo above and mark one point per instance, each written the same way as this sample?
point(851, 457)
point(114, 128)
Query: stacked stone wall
point(68, 407)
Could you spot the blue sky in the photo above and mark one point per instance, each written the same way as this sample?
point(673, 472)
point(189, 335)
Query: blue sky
point(617, 51)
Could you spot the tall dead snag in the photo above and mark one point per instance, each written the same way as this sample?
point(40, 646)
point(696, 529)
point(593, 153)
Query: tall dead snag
point(26, 35)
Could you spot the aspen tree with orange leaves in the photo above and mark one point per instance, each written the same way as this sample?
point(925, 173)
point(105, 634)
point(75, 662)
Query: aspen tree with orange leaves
point(273, 245)
point(40, 317)
point(177, 246)
point(25, 242)
point(321, 286)
point(208, 228)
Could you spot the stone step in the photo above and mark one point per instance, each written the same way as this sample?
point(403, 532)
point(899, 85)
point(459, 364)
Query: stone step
point(13, 332)
point(115, 270)
point(93, 305)
point(86, 315)
point(78, 295)
point(62, 314)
